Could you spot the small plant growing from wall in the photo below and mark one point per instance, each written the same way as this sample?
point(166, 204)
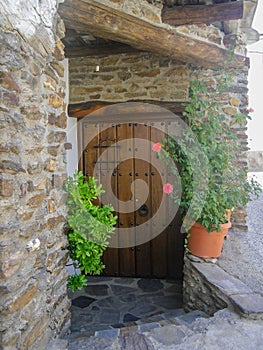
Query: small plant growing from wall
point(89, 228)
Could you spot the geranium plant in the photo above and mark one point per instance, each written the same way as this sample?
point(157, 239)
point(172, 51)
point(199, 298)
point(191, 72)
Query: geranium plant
point(228, 186)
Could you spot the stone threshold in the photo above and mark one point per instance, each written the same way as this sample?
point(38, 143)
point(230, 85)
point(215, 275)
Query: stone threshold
point(224, 287)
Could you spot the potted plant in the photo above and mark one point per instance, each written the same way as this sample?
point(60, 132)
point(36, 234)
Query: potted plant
point(227, 184)
point(89, 227)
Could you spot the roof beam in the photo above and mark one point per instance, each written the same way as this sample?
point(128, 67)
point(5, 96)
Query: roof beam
point(111, 23)
point(100, 50)
point(196, 14)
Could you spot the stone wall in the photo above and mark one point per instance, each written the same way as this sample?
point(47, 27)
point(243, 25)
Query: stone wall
point(34, 303)
point(127, 77)
point(209, 288)
point(199, 292)
point(143, 76)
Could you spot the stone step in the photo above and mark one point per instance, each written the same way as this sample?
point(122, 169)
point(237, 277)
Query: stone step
point(177, 322)
point(193, 330)
point(248, 305)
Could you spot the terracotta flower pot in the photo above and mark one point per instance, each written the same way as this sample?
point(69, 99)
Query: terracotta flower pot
point(204, 244)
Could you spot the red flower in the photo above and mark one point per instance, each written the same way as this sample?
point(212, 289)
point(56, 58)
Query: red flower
point(157, 147)
point(251, 110)
point(168, 188)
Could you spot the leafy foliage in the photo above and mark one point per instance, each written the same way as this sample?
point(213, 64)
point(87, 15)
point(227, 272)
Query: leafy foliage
point(228, 186)
point(90, 227)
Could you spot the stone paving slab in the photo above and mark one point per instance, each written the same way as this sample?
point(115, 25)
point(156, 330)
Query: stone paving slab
point(249, 305)
point(225, 330)
point(110, 303)
point(221, 279)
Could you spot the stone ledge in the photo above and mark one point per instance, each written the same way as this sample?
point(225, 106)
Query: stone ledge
point(228, 284)
point(248, 305)
point(213, 280)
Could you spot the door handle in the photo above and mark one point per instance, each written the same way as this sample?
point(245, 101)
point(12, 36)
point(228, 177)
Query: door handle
point(143, 210)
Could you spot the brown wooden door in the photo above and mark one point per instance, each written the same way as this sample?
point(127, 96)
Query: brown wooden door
point(162, 256)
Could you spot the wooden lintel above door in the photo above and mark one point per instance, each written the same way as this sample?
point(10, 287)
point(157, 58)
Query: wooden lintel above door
point(81, 110)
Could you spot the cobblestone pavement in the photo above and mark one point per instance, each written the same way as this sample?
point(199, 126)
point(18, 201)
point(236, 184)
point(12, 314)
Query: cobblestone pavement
point(112, 303)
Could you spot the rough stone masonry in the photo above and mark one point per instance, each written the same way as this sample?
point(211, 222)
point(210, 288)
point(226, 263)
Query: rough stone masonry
point(34, 303)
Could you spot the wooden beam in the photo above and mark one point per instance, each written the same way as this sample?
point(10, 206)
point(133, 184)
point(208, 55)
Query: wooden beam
point(80, 110)
point(101, 50)
point(194, 14)
point(112, 23)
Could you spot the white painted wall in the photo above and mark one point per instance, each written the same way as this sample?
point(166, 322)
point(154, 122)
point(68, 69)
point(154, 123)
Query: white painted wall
point(255, 85)
point(72, 154)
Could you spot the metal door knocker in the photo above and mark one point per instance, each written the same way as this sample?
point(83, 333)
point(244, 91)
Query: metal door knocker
point(143, 210)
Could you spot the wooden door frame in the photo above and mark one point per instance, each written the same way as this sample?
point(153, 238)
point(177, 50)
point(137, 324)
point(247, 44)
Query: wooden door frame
point(94, 111)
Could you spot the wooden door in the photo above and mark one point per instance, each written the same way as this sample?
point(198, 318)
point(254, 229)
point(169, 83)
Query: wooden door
point(162, 256)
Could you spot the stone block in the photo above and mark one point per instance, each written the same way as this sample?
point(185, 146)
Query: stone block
point(169, 335)
point(53, 222)
point(10, 265)
point(50, 83)
point(53, 150)
point(6, 187)
point(41, 185)
point(19, 302)
point(49, 71)
point(8, 82)
point(35, 332)
point(11, 98)
point(234, 101)
point(123, 75)
point(35, 68)
point(51, 118)
point(61, 120)
point(221, 279)
point(36, 201)
point(60, 136)
point(51, 206)
point(51, 165)
point(59, 50)
point(59, 68)
point(55, 101)
point(68, 146)
point(59, 180)
point(248, 305)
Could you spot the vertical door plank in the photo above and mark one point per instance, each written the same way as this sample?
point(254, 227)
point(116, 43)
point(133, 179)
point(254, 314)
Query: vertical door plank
point(142, 172)
point(125, 175)
point(159, 244)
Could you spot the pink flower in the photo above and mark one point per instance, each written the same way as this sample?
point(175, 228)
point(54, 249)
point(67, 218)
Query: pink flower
point(199, 94)
point(168, 188)
point(157, 147)
point(243, 59)
point(251, 110)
